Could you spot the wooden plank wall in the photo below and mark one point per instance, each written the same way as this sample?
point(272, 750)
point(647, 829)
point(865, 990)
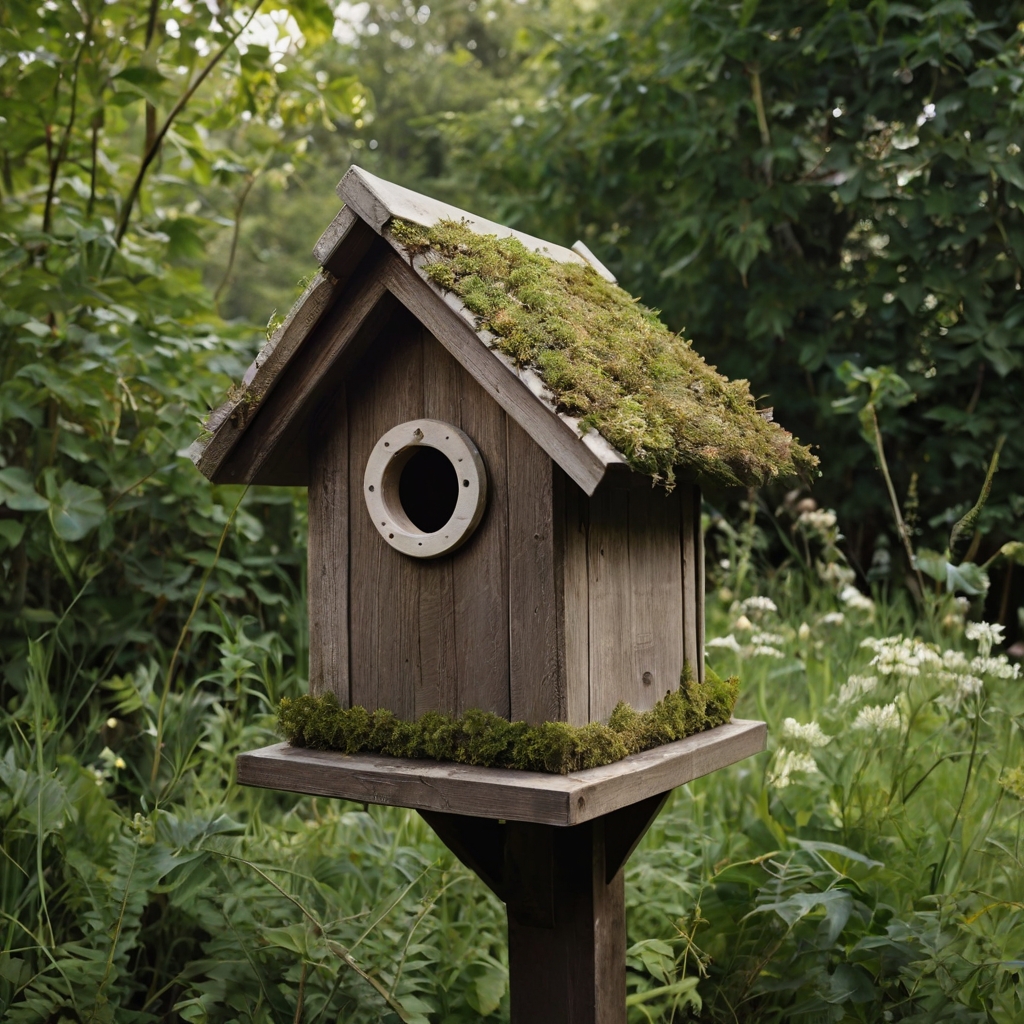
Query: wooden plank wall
point(435, 634)
point(633, 594)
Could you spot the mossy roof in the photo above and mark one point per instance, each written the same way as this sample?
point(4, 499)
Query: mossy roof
point(608, 359)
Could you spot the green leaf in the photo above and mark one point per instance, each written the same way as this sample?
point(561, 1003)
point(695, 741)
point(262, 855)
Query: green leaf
point(488, 989)
point(75, 510)
point(966, 578)
point(18, 492)
point(315, 18)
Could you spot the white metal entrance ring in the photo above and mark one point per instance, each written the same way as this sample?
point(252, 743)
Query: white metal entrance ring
point(425, 487)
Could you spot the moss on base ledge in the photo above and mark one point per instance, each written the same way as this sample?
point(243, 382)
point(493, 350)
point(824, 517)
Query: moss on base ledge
point(481, 738)
point(608, 359)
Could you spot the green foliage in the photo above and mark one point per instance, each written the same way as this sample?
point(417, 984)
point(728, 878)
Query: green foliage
point(481, 738)
point(609, 360)
point(151, 623)
point(803, 186)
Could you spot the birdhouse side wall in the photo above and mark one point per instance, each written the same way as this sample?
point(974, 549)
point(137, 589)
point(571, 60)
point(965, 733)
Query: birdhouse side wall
point(633, 594)
point(477, 628)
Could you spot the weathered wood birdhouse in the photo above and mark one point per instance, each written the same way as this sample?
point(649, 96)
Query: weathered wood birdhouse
point(503, 453)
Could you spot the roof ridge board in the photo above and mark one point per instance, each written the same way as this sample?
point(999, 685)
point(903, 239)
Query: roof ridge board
point(377, 201)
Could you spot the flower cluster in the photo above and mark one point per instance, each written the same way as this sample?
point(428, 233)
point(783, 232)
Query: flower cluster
point(855, 688)
point(986, 634)
point(787, 763)
point(879, 718)
point(810, 734)
point(901, 657)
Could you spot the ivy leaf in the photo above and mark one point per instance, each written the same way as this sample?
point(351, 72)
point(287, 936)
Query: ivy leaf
point(18, 492)
point(75, 510)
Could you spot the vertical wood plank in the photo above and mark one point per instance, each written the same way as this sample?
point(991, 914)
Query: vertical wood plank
point(386, 389)
point(536, 677)
point(611, 660)
point(576, 602)
point(689, 563)
point(480, 567)
point(438, 685)
point(328, 552)
point(655, 585)
point(700, 597)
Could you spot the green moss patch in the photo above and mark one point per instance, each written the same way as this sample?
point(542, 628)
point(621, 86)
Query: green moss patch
point(481, 738)
point(609, 360)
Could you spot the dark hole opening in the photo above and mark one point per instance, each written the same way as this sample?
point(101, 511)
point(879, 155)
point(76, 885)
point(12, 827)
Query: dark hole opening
point(428, 489)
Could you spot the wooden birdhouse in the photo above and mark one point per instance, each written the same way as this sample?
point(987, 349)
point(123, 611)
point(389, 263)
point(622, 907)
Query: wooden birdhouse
point(504, 515)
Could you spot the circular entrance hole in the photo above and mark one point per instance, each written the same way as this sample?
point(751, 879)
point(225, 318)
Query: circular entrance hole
point(428, 489)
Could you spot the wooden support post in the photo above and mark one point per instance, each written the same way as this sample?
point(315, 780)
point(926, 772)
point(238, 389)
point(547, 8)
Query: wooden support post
point(564, 892)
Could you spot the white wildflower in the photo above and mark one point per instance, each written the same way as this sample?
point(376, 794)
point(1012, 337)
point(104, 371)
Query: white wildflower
point(730, 643)
point(968, 686)
point(878, 718)
point(743, 623)
point(818, 520)
point(774, 639)
point(758, 604)
point(832, 619)
point(901, 657)
point(787, 763)
point(855, 600)
point(810, 734)
point(987, 634)
point(763, 651)
point(854, 688)
point(998, 666)
point(955, 661)
point(804, 631)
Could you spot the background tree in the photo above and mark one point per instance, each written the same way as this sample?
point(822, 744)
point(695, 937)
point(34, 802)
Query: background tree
point(803, 187)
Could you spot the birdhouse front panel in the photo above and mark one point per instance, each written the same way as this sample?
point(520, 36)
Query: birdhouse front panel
point(475, 627)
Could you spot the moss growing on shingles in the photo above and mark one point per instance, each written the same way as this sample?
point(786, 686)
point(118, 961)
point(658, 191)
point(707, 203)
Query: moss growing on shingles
point(481, 738)
point(608, 359)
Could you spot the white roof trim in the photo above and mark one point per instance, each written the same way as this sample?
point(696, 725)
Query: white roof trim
point(377, 201)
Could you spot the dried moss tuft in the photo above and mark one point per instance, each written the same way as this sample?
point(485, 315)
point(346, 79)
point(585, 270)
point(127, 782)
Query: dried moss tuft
point(481, 738)
point(609, 360)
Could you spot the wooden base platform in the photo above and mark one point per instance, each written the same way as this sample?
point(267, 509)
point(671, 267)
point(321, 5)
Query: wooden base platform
point(501, 793)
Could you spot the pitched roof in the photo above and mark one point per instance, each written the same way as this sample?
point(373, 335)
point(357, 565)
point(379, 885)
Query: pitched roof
point(576, 362)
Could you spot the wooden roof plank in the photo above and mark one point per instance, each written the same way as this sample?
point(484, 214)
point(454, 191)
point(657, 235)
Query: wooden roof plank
point(342, 336)
point(501, 793)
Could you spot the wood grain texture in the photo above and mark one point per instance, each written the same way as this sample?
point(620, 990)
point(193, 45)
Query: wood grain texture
point(428, 634)
point(439, 668)
point(327, 577)
point(571, 969)
point(576, 595)
point(480, 567)
point(688, 550)
point(564, 894)
point(344, 243)
point(655, 587)
point(536, 660)
point(274, 442)
point(497, 793)
point(553, 435)
point(386, 389)
point(700, 596)
point(611, 655)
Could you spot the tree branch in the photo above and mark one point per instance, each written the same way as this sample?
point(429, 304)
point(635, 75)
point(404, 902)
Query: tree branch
point(133, 192)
